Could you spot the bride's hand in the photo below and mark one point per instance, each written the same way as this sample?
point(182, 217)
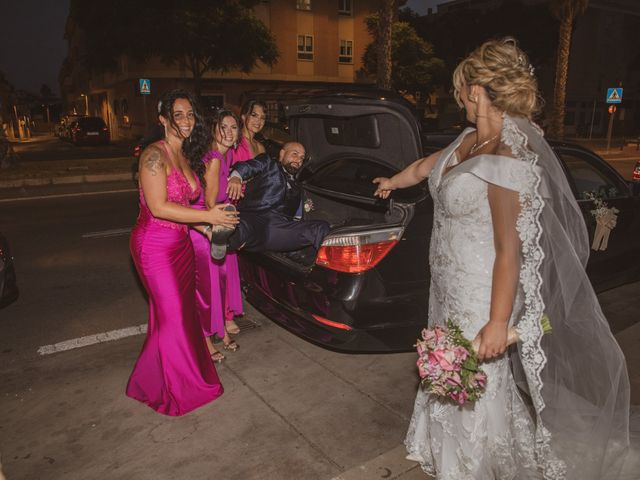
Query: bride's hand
point(492, 339)
point(384, 187)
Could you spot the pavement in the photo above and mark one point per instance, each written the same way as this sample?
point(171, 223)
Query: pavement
point(290, 411)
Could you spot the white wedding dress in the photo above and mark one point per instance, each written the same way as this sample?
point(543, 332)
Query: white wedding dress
point(556, 406)
point(493, 438)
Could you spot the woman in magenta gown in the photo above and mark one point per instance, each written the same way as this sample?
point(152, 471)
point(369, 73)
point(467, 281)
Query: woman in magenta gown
point(218, 295)
point(253, 115)
point(173, 374)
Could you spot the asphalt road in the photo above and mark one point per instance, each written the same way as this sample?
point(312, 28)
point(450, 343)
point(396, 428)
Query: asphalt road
point(43, 148)
point(73, 267)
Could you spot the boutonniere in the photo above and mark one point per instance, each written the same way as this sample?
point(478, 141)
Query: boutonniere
point(308, 205)
point(606, 219)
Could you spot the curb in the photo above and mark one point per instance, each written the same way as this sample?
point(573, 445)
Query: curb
point(74, 179)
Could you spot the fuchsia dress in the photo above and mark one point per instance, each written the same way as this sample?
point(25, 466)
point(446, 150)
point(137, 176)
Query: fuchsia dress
point(174, 373)
point(218, 294)
point(243, 152)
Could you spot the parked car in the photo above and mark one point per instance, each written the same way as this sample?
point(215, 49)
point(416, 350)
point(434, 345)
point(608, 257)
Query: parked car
point(89, 131)
point(8, 284)
point(366, 290)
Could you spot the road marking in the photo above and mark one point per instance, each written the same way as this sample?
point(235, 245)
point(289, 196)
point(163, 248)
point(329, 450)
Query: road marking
point(65, 195)
point(92, 339)
point(115, 232)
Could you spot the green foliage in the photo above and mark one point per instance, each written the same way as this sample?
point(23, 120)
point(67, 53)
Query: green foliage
point(208, 36)
point(416, 69)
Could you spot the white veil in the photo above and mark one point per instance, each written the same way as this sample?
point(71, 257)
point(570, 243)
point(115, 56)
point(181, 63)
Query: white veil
point(575, 376)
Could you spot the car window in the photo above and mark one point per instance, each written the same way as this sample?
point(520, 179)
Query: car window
point(589, 178)
point(95, 123)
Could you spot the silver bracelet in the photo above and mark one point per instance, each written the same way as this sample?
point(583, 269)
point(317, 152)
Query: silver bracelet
point(208, 228)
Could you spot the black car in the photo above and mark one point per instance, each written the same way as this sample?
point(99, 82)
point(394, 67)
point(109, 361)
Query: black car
point(89, 131)
point(8, 284)
point(367, 288)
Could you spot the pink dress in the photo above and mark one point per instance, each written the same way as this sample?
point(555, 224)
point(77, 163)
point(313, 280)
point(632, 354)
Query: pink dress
point(174, 373)
point(242, 153)
point(218, 295)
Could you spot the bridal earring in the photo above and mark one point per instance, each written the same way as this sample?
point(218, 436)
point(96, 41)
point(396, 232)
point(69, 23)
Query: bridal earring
point(473, 98)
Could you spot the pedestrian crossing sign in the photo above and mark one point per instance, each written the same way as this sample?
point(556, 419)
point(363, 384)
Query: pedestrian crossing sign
point(614, 95)
point(145, 86)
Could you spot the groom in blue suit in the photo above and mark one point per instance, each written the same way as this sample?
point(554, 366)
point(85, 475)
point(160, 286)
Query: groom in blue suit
point(270, 204)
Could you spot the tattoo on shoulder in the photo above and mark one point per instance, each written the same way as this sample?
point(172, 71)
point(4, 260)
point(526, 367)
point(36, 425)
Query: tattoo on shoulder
point(152, 161)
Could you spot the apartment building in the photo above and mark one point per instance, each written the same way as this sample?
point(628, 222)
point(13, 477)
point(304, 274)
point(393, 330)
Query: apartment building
point(321, 43)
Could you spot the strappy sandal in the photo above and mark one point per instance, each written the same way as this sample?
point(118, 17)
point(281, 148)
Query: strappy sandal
point(232, 346)
point(231, 327)
point(217, 357)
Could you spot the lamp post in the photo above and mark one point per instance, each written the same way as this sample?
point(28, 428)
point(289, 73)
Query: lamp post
point(86, 104)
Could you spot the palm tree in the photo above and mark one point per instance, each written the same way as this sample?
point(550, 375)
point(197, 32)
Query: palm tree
point(566, 11)
point(388, 13)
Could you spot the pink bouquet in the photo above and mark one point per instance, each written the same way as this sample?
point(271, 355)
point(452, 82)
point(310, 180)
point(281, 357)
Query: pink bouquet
point(448, 362)
point(448, 365)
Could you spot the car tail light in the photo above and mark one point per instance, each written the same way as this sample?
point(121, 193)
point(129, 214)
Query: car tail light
point(357, 252)
point(636, 173)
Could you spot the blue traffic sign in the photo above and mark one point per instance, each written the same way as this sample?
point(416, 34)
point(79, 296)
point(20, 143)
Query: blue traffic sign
point(145, 86)
point(614, 95)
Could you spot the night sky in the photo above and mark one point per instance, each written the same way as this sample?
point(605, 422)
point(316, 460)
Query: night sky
point(32, 44)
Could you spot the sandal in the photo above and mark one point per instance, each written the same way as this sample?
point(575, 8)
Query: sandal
point(217, 357)
point(232, 346)
point(231, 327)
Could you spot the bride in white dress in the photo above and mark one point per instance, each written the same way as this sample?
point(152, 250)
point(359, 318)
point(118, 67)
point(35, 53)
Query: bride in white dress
point(509, 244)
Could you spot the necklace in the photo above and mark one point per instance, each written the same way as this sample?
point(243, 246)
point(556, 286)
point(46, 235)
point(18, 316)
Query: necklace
point(477, 147)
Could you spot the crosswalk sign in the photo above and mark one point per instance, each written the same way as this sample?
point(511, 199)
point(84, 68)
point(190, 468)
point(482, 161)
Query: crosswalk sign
point(614, 95)
point(145, 86)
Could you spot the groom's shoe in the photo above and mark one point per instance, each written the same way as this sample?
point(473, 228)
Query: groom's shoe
point(219, 237)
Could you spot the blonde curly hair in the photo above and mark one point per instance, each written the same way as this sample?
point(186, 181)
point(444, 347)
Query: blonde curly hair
point(503, 69)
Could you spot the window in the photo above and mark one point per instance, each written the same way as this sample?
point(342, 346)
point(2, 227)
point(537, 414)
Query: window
point(344, 7)
point(303, 4)
point(346, 51)
point(305, 47)
point(590, 178)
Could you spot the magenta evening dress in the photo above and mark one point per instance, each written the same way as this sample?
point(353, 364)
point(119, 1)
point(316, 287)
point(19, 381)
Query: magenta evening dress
point(218, 294)
point(174, 373)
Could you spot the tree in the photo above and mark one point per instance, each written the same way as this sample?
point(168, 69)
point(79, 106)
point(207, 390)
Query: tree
point(414, 68)
point(207, 36)
point(566, 11)
point(383, 34)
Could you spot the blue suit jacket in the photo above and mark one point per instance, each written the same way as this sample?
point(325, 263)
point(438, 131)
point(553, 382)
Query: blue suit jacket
point(267, 188)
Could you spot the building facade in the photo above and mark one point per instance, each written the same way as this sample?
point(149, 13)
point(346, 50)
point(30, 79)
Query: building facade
point(321, 43)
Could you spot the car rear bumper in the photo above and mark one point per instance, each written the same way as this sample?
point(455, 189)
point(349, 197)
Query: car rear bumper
point(333, 313)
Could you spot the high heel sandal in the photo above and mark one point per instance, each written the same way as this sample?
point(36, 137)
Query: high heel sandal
point(217, 356)
point(232, 346)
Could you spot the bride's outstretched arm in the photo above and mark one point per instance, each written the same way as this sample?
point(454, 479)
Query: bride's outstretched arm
point(505, 208)
point(411, 175)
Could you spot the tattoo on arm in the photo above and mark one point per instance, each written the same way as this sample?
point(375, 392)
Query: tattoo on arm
point(153, 162)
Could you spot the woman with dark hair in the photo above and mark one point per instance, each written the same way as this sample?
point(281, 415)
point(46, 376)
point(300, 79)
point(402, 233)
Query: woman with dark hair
point(217, 281)
point(173, 374)
point(253, 115)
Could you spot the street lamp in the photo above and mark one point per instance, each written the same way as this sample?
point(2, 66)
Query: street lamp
point(86, 104)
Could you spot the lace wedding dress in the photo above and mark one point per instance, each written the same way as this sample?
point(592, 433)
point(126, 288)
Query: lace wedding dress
point(540, 415)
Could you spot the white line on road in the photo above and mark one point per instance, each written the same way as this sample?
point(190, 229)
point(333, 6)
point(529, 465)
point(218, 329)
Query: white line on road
point(115, 232)
point(92, 339)
point(64, 195)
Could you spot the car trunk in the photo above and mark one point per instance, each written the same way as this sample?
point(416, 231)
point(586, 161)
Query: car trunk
point(348, 145)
